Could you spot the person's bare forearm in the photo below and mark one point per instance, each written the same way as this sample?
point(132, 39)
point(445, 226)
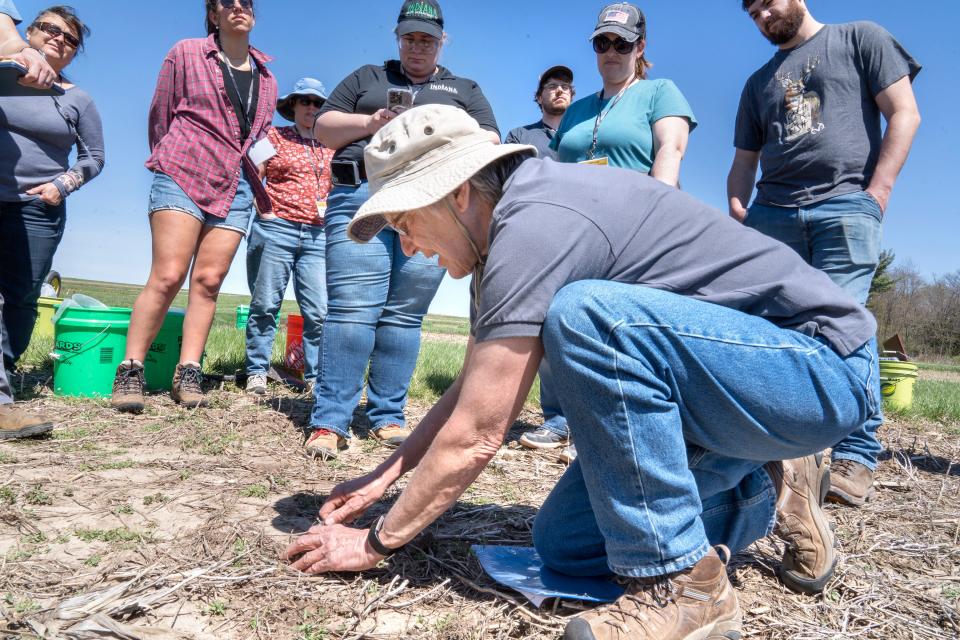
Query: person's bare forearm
point(457, 457)
point(740, 181)
point(894, 150)
point(336, 130)
point(409, 454)
point(666, 166)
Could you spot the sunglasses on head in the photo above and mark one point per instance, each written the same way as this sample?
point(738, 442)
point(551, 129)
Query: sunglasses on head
point(246, 5)
point(306, 102)
point(54, 31)
point(601, 45)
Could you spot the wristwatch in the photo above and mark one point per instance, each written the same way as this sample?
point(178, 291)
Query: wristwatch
point(373, 539)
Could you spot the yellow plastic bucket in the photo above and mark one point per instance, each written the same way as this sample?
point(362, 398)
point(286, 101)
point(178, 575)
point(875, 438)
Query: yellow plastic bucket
point(896, 383)
point(45, 309)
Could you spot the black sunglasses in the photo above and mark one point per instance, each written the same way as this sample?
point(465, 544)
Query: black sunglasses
point(306, 102)
point(246, 5)
point(54, 31)
point(621, 46)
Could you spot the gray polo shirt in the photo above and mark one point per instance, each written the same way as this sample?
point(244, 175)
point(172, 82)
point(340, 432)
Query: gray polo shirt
point(537, 134)
point(559, 223)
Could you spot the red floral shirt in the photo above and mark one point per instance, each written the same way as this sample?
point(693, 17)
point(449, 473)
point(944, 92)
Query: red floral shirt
point(298, 176)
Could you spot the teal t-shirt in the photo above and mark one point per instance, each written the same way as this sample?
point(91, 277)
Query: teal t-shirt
point(625, 136)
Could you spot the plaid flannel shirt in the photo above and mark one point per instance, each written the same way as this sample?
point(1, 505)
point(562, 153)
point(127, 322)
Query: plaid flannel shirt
point(194, 133)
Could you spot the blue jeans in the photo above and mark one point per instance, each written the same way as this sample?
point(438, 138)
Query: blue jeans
point(675, 404)
point(841, 237)
point(6, 392)
point(377, 299)
point(275, 249)
point(553, 418)
point(30, 233)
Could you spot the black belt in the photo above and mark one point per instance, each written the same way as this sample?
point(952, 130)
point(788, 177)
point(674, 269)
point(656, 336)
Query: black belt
point(347, 173)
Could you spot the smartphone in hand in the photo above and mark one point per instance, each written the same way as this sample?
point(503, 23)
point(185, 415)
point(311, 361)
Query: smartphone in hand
point(399, 100)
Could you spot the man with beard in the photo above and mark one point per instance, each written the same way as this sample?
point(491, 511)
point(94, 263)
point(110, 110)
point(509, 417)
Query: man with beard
point(554, 94)
point(810, 118)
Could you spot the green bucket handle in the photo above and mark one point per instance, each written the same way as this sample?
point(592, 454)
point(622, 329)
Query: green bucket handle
point(56, 356)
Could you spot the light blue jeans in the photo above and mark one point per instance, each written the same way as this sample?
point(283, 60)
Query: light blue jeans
point(275, 249)
point(553, 418)
point(675, 404)
point(841, 237)
point(6, 392)
point(377, 298)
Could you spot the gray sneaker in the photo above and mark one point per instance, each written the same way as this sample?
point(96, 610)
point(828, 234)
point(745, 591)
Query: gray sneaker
point(543, 438)
point(568, 454)
point(257, 384)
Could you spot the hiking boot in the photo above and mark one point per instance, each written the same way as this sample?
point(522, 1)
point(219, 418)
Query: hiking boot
point(809, 559)
point(543, 438)
point(188, 386)
point(16, 422)
point(257, 384)
point(568, 454)
point(851, 483)
point(695, 604)
point(324, 444)
point(128, 386)
point(392, 435)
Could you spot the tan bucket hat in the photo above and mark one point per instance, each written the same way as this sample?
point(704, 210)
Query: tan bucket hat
point(420, 157)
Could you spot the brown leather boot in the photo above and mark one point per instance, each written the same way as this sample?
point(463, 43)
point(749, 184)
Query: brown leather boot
point(17, 422)
point(697, 603)
point(851, 483)
point(391, 435)
point(809, 559)
point(188, 386)
point(128, 387)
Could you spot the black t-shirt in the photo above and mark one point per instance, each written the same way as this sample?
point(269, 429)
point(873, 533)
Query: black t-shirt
point(365, 91)
point(243, 97)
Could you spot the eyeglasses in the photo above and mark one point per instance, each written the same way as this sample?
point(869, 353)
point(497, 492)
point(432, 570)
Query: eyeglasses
point(245, 5)
point(397, 226)
point(427, 45)
point(602, 44)
point(54, 31)
point(307, 102)
point(562, 86)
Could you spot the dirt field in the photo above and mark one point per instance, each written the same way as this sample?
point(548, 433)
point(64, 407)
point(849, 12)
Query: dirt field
point(169, 524)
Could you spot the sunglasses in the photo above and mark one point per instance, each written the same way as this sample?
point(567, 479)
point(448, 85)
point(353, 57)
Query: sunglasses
point(621, 46)
point(246, 5)
point(54, 31)
point(307, 102)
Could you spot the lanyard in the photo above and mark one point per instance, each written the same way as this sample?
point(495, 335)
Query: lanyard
point(312, 157)
point(236, 89)
point(602, 114)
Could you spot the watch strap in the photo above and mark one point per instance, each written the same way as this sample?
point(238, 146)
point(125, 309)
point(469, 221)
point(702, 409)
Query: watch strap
point(373, 538)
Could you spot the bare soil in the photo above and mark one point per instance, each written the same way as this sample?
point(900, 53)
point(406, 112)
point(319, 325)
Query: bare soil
point(169, 525)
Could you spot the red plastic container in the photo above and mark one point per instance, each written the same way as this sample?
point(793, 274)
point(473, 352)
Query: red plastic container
point(293, 360)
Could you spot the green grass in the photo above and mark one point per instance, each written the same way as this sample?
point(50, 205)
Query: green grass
point(938, 366)
point(450, 325)
point(937, 400)
point(118, 535)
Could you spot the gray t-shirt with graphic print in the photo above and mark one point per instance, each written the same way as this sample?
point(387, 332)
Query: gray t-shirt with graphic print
point(811, 112)
point(559, 223)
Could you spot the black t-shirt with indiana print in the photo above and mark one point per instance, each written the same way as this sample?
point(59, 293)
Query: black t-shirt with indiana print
point(365, 91)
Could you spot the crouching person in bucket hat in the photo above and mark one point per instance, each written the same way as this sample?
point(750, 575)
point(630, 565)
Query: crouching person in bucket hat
point(668, 326)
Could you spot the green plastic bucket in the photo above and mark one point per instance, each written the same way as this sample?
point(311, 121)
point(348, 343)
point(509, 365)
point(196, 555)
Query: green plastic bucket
point(896, 383)
point(243, 314)
point(88, 346)
point(164, 354)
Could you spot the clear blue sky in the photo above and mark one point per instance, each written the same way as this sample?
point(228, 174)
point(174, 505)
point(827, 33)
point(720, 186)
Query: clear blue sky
point(708, 47)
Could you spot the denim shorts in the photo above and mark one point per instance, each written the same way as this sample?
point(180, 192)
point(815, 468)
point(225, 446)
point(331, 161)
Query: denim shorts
point(167, 194)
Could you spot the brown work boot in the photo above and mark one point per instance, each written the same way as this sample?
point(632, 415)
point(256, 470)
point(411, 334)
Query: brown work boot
point(809, 559)
point(851, 483)
point(324, 444)
point(128, 387)
point(695, 604)
point(188, 386)
point(391, 435)
point(16, 422)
